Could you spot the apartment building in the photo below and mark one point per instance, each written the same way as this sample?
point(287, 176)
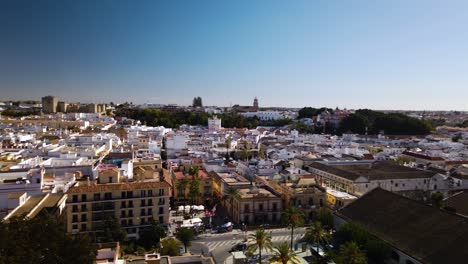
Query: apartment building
point(257, 206)
point(133, 204)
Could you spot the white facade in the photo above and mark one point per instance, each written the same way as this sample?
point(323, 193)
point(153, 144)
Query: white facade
point(265, 115)
point(214, 124)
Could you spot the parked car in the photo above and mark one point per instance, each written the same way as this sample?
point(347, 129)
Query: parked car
point(238, 247)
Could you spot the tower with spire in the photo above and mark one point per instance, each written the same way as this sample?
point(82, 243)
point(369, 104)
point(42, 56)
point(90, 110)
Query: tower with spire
point(255, 104)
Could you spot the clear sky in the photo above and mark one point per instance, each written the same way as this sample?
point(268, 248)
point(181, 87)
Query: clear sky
point(374, 54)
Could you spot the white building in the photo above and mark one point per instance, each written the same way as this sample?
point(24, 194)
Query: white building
point(214, 124)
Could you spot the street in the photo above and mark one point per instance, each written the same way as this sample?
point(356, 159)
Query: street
point(218, 245)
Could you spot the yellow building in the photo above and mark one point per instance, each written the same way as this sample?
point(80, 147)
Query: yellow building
point(257, 206)
point(133, 204)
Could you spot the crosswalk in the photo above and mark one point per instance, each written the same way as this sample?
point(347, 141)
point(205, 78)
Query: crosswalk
point(228, 243)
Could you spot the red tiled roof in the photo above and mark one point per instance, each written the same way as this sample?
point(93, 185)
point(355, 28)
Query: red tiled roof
point(118, 186)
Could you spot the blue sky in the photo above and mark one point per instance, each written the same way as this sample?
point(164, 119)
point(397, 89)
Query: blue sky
point(354, 54)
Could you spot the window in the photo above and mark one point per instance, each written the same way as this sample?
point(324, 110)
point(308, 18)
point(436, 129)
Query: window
point(83, 207)
point(161, 210)
point(129, 194)
point(396, 184)
point(143, 193)
point(75, 198)
point(110, 179)
point(124, 195)
point(123, 204)
point(142, 212)
point(108, 196)
point(84, 218)
point(162, 201)
point(75, 208)
point(246, 208)
point(130, 222)
point(130, 213)
point(260, 207)
point(150, 202)
point(273, 217)
point(83, 227)
point(124, 214)
point(311, 201)
point(130, 204)
point(83, 197)
point(161, 192)
point(150, 192)
point(75, 218)
point(275, 208)
point(143, 203)
point(123, 222)
point(74, 227)
point(161, 219)
point(97, 197)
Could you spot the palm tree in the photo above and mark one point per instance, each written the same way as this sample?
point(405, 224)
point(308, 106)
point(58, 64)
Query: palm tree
point(294, 217)
point(194, 188)
point(232, 194)
point(283, 253)
point(317, 234)
point(182, 186)
point(260, 240)
point(351, 254)
point(193, 171)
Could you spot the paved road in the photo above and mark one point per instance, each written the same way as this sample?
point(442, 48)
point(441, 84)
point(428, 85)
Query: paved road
point(218, 245)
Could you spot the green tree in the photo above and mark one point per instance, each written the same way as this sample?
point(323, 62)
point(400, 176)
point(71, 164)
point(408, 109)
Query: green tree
point(402, 160)
point(42, 239)
point(437, 200)
point(112, 231)
point(231, 194)
point(185, 235)
point(170, 247)
point(284, 254)
point(376, 250)
point(355, 123)
point(182, 186)
point(150, 238)
point(194, 188)
point(350, 253)
point(258, 241)
point(293, 217)
point(325, 217)
point(197, 102)
point(317, 234)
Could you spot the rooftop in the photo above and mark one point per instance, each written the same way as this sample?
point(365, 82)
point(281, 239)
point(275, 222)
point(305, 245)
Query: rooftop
point(376, 171)
point(78, 188)
point(413, 227)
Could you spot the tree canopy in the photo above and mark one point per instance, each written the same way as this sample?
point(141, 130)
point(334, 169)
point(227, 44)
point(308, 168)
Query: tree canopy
point(197, 102)
point(375, 122)
point(42, 240)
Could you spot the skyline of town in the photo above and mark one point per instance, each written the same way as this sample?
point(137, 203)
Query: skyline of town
point(364, 54)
